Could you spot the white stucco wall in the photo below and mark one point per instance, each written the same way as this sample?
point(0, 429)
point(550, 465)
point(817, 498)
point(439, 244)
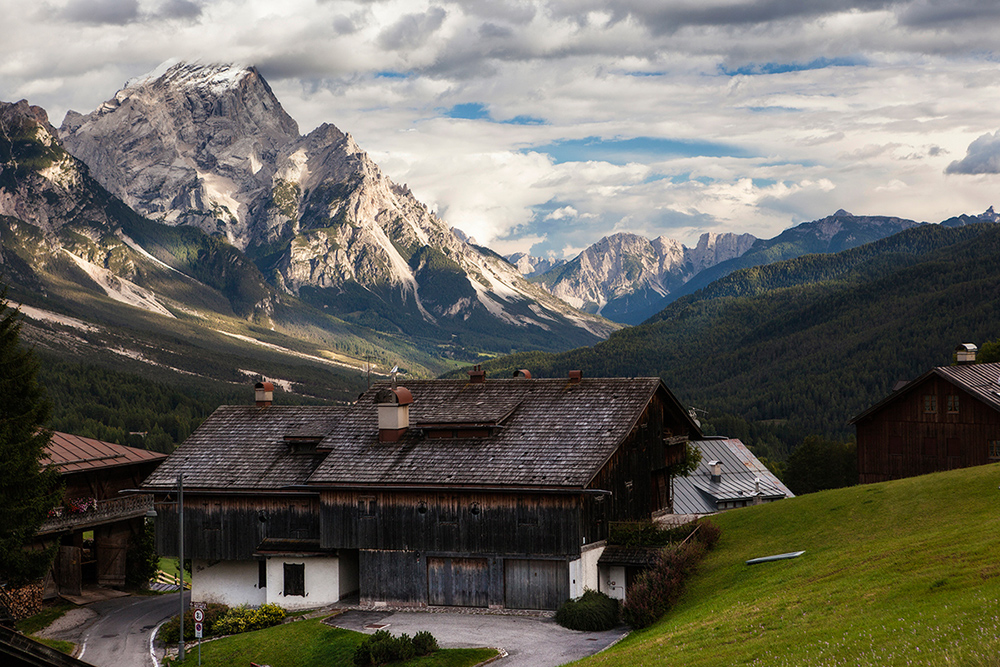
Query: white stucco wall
point(322, 574)
point(229, 582)
point(612, 581)
point(583, 571)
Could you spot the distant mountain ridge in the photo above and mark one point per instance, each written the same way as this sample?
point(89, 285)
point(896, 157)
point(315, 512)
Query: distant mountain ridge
point(624, 275)
point(210, 146)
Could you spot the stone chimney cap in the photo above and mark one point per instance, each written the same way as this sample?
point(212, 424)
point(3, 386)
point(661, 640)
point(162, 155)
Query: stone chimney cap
point(523, 373)
point(575, 376)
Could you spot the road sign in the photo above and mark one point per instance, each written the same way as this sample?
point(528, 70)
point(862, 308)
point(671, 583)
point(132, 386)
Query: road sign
point(197, 629)
point(199, 615)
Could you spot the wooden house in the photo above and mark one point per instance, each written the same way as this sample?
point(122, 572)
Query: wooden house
point(93, 472)
point(482, 493)
point(947, 418)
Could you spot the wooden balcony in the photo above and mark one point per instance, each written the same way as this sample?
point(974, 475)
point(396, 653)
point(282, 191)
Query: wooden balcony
point(107, 511)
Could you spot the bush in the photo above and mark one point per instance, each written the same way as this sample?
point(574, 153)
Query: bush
point(382, 648)
point(593, 611)
point(424, 643)
point(651, 534)
point(656, 590)
point(170, 630)
point(247, 619)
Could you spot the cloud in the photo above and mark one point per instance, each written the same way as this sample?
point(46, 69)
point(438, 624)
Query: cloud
point(110, 12)
point(412, 30)
point(179, 9)
point(983, 157)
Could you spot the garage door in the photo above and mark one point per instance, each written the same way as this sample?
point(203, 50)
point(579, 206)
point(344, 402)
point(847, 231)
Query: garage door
point(458, 582)
point(535, 584)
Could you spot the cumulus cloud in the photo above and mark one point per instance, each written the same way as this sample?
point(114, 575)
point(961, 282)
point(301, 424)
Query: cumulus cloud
point(983, 157)
point(112, 12)
point(412, 30)
point(179, 9)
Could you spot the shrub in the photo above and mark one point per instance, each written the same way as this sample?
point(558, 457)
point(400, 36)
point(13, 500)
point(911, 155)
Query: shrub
point(656, 590)
point(170, 630)
point(591, 612)
point(424, 643)
point(651, 534)
point(382, 648)
point(246, 619)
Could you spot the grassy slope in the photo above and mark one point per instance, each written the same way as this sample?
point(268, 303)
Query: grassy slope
point(312, 644)
point(905, 572)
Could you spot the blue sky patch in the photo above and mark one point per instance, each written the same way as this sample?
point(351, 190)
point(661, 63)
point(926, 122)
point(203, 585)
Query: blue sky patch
point(389, 74)
point(468, 111)
point(637, 149)
point(524, 120)
point(782, 68)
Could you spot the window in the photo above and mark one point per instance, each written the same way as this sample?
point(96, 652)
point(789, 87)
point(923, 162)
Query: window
point(295, 579)
point(930, 403)
point(367, 507)
point(994, 451)
point(262, 574)
point(953, 404)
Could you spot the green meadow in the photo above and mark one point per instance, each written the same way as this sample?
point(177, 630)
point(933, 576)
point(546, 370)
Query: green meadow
point(899, 573)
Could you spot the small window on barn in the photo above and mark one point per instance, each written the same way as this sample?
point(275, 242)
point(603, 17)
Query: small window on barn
point(367, 507)
point(295, 579)
point(930, 403)
point(262, 574)
point(994, 451)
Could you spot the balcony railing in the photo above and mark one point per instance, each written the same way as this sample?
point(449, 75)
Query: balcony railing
point(104, 511)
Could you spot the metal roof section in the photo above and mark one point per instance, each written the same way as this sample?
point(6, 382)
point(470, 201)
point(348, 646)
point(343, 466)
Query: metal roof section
point(742, 478)
point(74, 453)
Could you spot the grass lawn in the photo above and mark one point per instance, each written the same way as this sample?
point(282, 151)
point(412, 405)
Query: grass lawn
point(312, 644)
point(899, 573)
point(44, 619)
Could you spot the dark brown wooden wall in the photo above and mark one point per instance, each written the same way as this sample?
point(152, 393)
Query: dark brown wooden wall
point(105, 483)
point(901, 440)
point(452, 523)
point(230, 527)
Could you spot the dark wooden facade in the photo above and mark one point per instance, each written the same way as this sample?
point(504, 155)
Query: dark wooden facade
point(933, 424)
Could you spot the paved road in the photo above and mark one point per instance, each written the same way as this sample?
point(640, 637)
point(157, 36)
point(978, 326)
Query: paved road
point(528, 641)
point(120, 632)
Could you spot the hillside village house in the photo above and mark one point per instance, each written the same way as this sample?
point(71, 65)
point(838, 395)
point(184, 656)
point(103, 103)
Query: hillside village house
point(93, 473)
point(480, 493)
point(947, 418)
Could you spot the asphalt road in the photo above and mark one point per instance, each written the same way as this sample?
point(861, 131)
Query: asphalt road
point(528, 641)
point(119, 635)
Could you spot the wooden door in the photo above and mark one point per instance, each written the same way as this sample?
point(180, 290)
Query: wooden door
point(535, 584)
point(111, 544)
point(68, 574)
point(458, 582)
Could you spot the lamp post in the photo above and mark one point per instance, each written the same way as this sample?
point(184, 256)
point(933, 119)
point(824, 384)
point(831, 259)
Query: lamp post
point(180, 558)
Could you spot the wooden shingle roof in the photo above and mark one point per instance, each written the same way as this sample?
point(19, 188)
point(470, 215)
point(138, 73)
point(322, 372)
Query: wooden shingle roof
point(242, 448)
point(549, 433)
point(74, 453)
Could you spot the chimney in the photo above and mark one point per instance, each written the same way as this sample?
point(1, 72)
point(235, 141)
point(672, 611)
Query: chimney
point(393, 413)
point(965, 353)
point(523, 373)
point(575, 377)
point(264, 394)
point(477, 375)
point(715, 471)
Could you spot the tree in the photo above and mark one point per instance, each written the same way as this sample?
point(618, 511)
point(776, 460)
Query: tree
point(27, 489)
point(819, 464)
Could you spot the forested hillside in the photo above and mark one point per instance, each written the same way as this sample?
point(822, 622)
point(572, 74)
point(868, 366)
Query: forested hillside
point(774, 353)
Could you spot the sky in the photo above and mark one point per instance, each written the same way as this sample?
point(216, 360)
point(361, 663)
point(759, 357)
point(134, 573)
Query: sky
point(543, 126)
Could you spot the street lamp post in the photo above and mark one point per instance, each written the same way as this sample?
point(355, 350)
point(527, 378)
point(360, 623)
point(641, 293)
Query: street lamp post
point(180, 558)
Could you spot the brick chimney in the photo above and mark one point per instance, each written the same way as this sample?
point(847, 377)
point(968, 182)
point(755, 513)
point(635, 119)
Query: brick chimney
point(263, 394)
point(477, 375)
point(393, 413)
point(575, 377)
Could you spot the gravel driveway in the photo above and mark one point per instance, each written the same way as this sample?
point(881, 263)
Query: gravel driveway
point(528, 641)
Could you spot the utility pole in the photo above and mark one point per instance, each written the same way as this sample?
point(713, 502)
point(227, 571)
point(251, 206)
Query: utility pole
point(180, 558)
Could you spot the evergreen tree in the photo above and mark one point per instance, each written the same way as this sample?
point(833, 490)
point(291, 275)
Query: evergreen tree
point(27, 490)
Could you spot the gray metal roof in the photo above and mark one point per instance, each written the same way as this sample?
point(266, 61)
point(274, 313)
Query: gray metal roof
point(980, 380)
point(542, 433)
point(240, 448)
point(551, 432)
point(698, 494)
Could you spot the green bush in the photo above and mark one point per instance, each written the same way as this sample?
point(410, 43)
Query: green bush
point(382, 648)
point(424, 643)
point(246, 619)
point(591, 612)
point(171, 629)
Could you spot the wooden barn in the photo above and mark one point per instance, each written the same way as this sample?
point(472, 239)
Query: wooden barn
point(481, 493)
point(95, 524)
point(947, 418)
